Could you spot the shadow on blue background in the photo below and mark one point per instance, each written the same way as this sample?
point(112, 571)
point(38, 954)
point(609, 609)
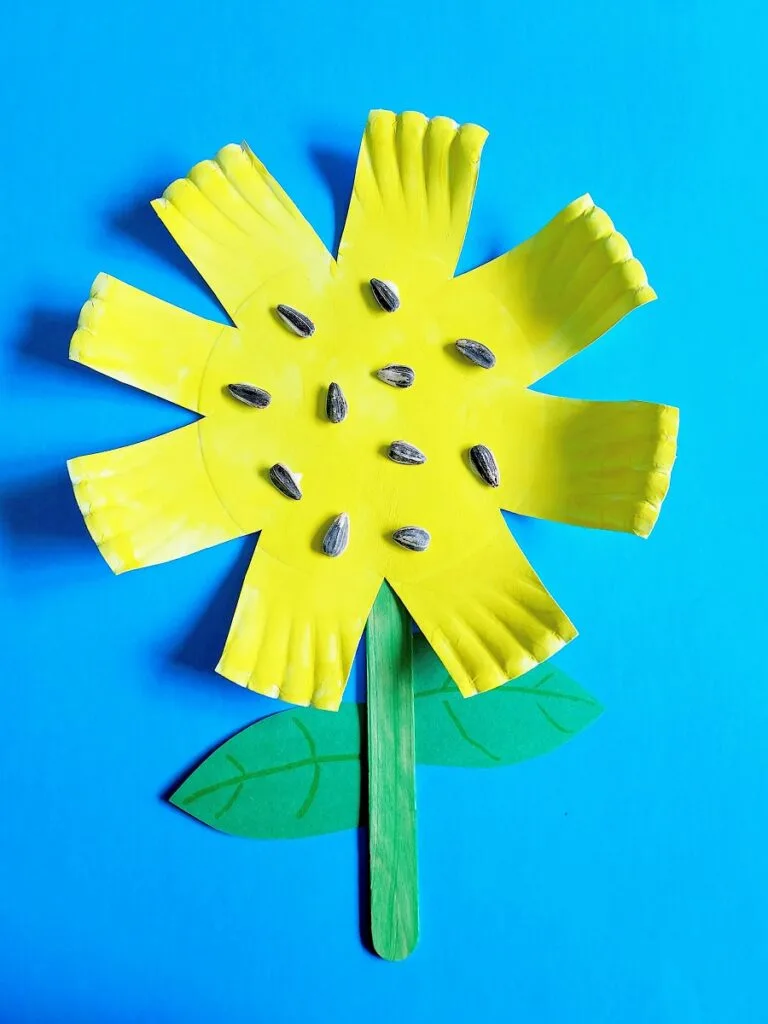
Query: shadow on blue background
point(337, 170)
point(201, 647)
point(42, 509)
point(137, 222)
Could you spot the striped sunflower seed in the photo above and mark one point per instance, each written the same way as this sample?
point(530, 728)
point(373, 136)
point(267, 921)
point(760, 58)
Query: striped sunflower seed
point(258, 398)
point(412, 537)
point(386, 294)
point(297, 322)
point(336, 407)
point(406, 454)
point(337, 536)
point(397, 375)
point(285, 481)
point(476, 353)
point(485, 464)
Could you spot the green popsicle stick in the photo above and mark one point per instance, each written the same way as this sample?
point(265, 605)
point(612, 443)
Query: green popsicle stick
point(391, 779)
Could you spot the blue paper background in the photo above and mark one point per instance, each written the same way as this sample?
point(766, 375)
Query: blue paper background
point(621, 878)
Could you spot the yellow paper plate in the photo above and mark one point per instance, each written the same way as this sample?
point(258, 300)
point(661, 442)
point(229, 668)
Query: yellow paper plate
point(472, 592)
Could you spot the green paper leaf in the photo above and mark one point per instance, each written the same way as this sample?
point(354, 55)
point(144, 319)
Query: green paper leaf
point(294, 774)
point(297, 773)
point(524, 718)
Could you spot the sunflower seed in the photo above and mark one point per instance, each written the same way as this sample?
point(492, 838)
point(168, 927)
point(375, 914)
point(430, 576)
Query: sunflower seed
point(406, 454)
point(412, 537)
point(485, 464)
point(337, 536)
point(396, 375)
point(298, 322)
point(285, 481)
point(336, 404)
point(258, 398)
point(476, 353)
point(386, 294)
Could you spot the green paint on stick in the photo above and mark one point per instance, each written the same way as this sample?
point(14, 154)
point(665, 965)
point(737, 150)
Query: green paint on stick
point(391, 779)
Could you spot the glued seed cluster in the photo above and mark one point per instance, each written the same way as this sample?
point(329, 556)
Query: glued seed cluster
point(481, 458)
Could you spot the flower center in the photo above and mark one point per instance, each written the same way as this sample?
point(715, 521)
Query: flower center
point(404, 453)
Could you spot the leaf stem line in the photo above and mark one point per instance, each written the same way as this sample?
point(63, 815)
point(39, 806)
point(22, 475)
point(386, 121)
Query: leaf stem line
point(233, 760)
point(556, 694)
point(314, 785)
point(534, 691)
point(230, 803)
point(307, 762)
point(552, 722)
point(465, 735)
point(449, 687)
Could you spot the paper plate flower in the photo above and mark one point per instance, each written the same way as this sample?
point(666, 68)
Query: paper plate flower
point(372, 414)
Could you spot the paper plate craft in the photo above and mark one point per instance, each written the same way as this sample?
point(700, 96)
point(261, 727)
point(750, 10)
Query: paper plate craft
point(371, 415)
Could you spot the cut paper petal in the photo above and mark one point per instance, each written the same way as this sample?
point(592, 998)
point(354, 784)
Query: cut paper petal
point(150, 502)
point(140, 340)
point(598, 464)
point(549, 298)
point(238, 226)
point(488, 619)
point(414, 186)
point(295, 630)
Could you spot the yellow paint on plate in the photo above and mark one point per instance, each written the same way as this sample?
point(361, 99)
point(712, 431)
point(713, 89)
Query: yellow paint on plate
point(473, 594)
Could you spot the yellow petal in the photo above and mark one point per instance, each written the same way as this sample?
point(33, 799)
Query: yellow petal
point(140, 340)
point(238, 227)
point(549, 298)
point(151, 502)
point(296, 629)
point(488, 619)
point(598, 464)
point(414, 186)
